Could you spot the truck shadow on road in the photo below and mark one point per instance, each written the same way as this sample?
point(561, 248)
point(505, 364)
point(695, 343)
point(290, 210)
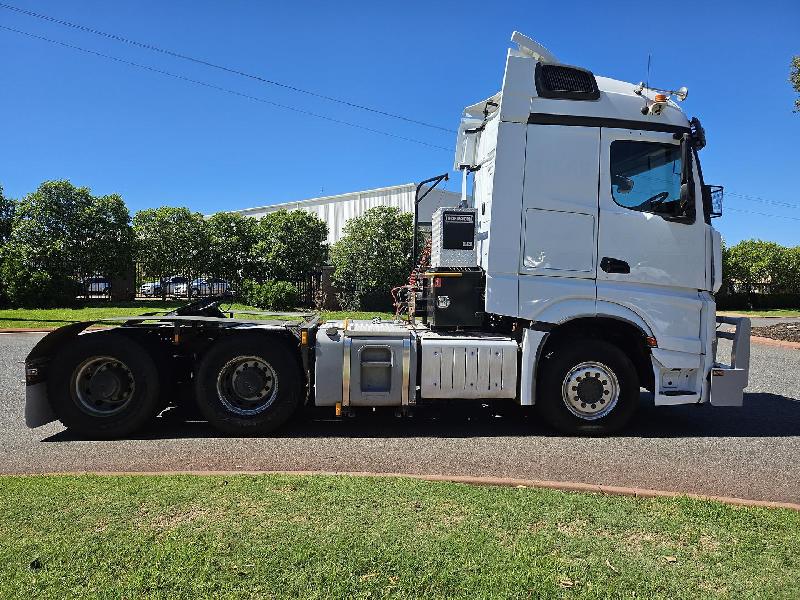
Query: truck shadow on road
point(763, 415)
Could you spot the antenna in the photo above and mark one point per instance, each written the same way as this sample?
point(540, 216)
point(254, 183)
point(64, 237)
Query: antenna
point(645, 85)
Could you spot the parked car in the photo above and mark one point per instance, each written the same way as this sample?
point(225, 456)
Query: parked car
point(210, 286)
point(172, 286)
point(150, 289)
point(94, 286)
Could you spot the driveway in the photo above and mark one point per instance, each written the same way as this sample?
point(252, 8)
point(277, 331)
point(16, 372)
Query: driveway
point(751, 452)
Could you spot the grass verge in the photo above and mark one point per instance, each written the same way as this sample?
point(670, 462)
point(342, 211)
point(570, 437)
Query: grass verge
point(775, 312)
point(51, 318)
point(336, 536)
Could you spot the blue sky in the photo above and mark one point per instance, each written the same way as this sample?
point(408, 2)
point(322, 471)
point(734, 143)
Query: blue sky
point(158, 140)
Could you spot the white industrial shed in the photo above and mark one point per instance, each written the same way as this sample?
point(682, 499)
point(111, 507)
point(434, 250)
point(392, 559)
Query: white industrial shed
point(336, 210)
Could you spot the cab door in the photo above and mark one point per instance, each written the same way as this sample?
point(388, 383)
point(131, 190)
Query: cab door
point(651, 249)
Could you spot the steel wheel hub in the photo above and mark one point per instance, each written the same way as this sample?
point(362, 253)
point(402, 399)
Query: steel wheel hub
point(590, 390)
point(247, 385)
point(103, 386)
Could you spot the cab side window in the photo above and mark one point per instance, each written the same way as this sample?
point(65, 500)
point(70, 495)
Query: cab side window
point(646, 176)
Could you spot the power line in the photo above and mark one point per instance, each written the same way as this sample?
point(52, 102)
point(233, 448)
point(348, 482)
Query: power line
point(762, 200)
point(752, 212)
point(232, 70)
point(223, 89)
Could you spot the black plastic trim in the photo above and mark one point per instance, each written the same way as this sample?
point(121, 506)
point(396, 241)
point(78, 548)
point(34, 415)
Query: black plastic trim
point(580, 121)
point(544, 91)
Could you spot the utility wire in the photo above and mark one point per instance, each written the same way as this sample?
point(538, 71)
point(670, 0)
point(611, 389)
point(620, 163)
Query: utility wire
point(762, 200)
point(223, 89)
point(232, 70)
point(752, 212)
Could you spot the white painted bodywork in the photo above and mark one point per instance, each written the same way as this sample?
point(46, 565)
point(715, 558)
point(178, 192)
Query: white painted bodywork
point(546, 218)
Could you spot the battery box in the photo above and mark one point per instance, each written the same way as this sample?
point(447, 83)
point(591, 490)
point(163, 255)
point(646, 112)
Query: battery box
point(455, 298)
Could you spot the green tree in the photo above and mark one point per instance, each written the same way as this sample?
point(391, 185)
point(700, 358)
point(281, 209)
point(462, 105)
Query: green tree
point(794, 79)
point(59, 234)
point(290, 245)
point(231, 240)
point(171, 241)
point(752, 263)
point(7, 209)
point(786, 271)
point(373, 256)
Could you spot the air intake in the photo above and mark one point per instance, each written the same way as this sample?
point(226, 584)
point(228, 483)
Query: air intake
point(565, 83)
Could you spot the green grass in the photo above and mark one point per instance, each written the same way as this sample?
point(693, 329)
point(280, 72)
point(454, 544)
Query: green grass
point(774, 312)
point(349, 537)
point(45, 318)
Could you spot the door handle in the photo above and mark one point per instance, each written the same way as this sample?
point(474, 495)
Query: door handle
point(614, 265)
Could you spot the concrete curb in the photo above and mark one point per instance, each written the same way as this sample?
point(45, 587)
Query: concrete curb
point(563, 486)
point(39, 330)
point(776, 343)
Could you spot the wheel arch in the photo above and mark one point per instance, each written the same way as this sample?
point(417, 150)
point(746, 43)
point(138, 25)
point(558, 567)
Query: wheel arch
point(627, 334)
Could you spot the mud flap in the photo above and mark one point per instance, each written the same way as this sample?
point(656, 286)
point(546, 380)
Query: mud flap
point(37, 407)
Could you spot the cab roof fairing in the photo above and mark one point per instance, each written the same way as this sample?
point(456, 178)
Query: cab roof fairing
point(618, 99)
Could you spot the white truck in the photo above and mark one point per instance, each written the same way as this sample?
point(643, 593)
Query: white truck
point(580, 267)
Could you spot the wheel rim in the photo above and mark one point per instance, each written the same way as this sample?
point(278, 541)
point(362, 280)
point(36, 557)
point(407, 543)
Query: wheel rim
point(247, 385)
point(103, 386)
point(590, 390)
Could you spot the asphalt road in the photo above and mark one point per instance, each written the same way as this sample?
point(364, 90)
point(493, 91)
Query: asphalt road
point(751, 452)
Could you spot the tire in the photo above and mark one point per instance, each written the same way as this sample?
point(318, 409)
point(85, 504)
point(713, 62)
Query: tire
point(114, 405)
point(600, 371)
point(257, 365)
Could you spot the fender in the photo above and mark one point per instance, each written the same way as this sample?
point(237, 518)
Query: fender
point(534, 337)
point(576, 308)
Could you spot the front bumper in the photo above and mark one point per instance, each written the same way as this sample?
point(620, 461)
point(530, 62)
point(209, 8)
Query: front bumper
point(728, 381)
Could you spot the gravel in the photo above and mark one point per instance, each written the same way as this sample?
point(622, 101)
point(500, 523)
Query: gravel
point(749, 452)
point(788, 332)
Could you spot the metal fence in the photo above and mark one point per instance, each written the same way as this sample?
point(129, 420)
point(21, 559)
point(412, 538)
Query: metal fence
point(139, 285)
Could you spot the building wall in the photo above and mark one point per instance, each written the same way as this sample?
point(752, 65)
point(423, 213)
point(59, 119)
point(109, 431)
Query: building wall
point(336, 210)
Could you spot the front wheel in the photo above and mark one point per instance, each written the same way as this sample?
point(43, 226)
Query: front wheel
point(587, 386)
point(248, 385)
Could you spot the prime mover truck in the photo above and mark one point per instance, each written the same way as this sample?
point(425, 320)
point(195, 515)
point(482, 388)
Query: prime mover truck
point(579, 267)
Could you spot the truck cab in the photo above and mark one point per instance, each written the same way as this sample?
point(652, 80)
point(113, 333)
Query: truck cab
point(593, 215)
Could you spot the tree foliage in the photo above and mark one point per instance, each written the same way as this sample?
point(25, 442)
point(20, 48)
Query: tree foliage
point(794, 79)
point(59, 234)
point(756, 265)
point(231, 237)
point(171, 241)
point(373, 256)
point(7, 209)
point(270, 295)
point(290, 244)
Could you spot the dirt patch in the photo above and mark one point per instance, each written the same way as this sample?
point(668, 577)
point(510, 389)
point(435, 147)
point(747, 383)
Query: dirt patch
point(787, 332)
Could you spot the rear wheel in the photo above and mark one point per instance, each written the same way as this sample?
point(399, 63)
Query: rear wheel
point(248, 385)
point(104, 385)
point(587, 386)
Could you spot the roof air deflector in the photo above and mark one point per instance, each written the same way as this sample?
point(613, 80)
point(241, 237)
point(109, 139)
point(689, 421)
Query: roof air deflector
point(533, 48)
